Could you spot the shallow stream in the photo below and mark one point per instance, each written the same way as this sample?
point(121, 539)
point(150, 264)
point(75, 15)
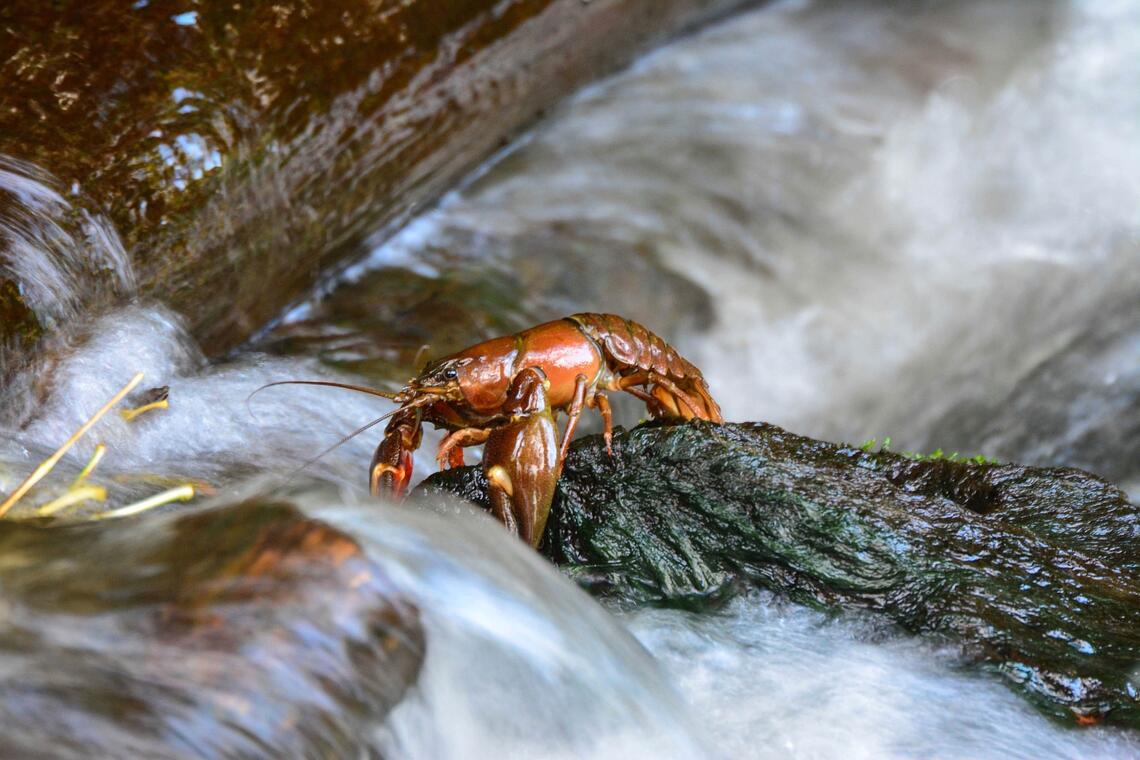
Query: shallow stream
point(859, 220)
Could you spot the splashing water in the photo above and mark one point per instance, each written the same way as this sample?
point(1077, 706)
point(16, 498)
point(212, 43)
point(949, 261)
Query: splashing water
point(58, 253)
point(857, 220)
point(779, 680)
point(899, 221)
point(209, 432)
point(519, 661)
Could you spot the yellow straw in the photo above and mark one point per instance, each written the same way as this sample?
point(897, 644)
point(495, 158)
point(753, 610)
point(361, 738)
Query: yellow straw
point(100, 450)
point(73, 496)
point(46, 466)
point(130, 414)
point(182, 493)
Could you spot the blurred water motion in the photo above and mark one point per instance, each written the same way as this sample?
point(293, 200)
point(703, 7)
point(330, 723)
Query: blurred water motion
point(859, 220)
point(242, 630)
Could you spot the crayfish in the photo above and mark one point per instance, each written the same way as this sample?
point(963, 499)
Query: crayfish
point(504, 393)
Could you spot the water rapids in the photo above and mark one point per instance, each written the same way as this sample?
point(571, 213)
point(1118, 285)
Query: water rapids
point(859, 220)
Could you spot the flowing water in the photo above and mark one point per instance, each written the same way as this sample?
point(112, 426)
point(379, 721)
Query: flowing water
point(858, 220)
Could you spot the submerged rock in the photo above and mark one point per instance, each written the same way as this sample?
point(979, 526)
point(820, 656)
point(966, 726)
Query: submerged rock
point(248, 630)
point(1034, 572)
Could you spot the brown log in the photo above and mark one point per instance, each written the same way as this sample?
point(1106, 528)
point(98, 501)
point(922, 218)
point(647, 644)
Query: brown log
point(242, 151)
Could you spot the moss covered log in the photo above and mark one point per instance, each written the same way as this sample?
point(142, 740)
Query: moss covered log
point(1034, 572)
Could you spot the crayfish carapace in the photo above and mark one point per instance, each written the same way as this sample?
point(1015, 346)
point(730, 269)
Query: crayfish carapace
point(505, 392)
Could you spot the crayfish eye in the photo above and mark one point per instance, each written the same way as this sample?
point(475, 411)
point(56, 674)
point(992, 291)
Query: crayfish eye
point(450, 373)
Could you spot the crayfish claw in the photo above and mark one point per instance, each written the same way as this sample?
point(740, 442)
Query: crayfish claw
point(388, 480)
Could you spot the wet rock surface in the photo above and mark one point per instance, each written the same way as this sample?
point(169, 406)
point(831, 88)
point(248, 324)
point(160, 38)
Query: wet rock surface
point(1034, 573)
point(247, 630)
point(242, 153)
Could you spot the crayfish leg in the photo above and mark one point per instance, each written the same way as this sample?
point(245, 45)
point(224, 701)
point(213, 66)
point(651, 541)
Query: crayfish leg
point(603, 405)
point(451, 447)
point(692, 407)
point(574, 413)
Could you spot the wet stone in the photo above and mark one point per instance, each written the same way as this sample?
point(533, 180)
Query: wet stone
point(1034, 573)
point(242, 152)
point(248, 630)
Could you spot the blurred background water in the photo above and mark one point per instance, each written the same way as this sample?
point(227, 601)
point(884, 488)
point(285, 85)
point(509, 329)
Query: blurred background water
point(858, 219)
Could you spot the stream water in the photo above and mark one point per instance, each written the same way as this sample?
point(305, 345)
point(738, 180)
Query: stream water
point(858, 220)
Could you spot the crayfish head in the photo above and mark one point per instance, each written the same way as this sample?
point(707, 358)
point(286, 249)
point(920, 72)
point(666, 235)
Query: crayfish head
point(440, 381)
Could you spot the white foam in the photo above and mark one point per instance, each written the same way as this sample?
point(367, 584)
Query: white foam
point(519, 663)
point(209, 432)
point(783, 681)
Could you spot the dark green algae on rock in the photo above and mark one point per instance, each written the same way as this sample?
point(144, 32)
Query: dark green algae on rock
point(1035, 573)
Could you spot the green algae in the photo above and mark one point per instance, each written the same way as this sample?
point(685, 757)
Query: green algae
point(1034, 573)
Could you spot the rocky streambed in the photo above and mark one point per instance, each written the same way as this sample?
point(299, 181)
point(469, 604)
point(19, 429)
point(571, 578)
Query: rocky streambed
point(857, 219)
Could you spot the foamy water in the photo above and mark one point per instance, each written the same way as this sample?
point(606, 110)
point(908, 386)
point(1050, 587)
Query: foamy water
point(899, 219)
point(519, 661)
point(778, 680)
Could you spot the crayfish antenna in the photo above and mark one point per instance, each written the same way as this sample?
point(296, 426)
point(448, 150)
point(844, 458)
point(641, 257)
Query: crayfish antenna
point(338, 444)
point(420, 354)
point(354, 433)
point(329, 383)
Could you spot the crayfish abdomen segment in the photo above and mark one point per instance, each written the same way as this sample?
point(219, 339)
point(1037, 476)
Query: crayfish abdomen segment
point(639, 357)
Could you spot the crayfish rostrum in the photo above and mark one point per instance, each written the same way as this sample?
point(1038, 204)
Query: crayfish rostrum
point(505, 392)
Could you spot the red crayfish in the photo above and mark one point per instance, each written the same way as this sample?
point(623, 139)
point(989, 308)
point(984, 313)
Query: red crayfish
point(505, 392)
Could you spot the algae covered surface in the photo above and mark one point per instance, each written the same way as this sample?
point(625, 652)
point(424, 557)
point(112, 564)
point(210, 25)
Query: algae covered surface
point(1033, 572)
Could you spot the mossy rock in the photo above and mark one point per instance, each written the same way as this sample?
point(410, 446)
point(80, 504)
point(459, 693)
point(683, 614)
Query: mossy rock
point(1034, 572)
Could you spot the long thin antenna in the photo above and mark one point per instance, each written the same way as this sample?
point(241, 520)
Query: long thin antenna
point(342, 441)
point(346, 386)
point(329, 383)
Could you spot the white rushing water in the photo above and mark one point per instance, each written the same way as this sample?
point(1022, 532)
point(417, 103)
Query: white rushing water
point(777, 680)
point(519, 661)
point(906, 219)
point(903, 218)
point(58, 254)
